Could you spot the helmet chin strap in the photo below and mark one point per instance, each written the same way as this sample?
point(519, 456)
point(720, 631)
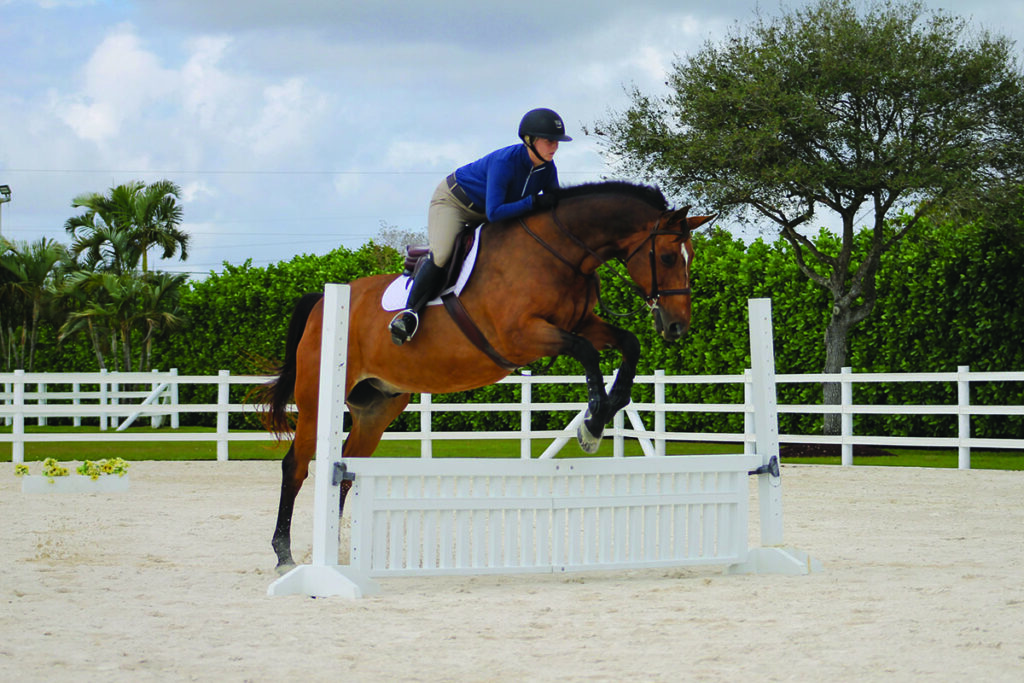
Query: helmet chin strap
point(528, 141)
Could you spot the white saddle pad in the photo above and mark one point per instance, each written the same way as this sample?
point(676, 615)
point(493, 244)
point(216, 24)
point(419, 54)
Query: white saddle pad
point(397, 293)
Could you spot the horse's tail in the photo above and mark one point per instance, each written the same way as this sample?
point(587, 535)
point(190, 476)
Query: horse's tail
point(277, 393)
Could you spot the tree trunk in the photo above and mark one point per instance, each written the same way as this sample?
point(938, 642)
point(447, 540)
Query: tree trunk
point(33, 336)
point(126, 348)
point(836, 336)
point(96, 346)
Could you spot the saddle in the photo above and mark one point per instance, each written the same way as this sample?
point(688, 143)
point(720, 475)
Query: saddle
point(414, 253)
point(464, 243)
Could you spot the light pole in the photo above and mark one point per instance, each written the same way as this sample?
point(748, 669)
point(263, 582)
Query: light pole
point(5, 196)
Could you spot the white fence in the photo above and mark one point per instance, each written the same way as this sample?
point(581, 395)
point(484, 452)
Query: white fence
point(35, 397)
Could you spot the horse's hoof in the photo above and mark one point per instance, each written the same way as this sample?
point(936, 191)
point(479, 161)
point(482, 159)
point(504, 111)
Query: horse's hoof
point(588, 442)
point(284, 568)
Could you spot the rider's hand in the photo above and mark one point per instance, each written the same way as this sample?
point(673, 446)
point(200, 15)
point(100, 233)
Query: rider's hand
point(546, 200)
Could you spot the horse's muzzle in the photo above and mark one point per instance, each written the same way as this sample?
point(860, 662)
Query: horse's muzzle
point(670, 331)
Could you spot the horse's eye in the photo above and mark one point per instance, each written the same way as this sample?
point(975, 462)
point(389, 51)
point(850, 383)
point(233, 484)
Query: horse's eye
point(668, 259)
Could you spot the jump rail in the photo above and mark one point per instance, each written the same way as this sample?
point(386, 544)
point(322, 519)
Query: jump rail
point(464, 516)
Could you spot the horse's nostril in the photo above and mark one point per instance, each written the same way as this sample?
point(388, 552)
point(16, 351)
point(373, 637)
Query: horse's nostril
point(675, 331)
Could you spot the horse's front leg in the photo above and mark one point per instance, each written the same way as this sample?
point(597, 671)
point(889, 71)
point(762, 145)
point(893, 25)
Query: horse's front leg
point(590, 430)
point(602, 406)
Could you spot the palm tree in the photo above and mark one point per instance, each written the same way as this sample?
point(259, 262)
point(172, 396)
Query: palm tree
point(112, 304)
point(83, 293)
point(159, 311)
point(31, 269)
point(157, 218)
point(103, 246)
point(10, 308)
point(120, 310)
point(120, 228)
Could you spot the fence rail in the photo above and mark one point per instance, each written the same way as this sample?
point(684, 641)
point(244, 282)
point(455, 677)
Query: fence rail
point(39, 396)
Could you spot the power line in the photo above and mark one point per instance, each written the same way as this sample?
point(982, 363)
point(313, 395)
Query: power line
point(245, 172)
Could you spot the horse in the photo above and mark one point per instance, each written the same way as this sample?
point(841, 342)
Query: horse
point(531, 295)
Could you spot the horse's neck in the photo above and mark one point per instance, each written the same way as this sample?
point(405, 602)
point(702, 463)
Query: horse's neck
point(603, 231)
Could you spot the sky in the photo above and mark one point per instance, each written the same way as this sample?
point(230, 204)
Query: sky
point(297, 126)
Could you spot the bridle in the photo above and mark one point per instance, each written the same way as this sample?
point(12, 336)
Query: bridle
point(656, 293)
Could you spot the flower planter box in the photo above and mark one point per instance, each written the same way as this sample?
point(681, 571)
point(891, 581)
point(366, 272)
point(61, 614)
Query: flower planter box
point(75, 483)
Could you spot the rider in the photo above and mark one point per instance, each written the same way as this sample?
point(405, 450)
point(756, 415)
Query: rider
point(504, 184)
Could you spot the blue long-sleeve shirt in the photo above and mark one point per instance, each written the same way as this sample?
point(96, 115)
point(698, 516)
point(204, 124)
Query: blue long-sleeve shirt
point(504, 181)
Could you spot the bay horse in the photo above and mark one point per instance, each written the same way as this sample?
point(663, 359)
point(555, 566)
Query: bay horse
point(531, 295)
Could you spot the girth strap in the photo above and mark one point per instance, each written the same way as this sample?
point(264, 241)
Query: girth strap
point(461, 317)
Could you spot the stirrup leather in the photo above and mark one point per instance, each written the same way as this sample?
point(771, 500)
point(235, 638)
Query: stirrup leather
point(403, 326)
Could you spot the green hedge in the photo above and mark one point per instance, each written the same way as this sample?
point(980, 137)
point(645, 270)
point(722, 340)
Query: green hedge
point(949, 296)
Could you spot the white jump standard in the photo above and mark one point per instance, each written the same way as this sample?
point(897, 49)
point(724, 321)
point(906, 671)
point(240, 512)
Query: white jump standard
point(477, 516)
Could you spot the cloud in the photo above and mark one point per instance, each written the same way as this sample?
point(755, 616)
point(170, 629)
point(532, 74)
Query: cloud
point(316, 117)
point(119, 81)
point(290, 111)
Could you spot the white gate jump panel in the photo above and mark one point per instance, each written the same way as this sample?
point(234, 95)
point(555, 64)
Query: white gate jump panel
point(478, 516)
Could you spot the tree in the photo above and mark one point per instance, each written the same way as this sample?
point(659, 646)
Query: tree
point(117, 230)
point(120, 310)
point(159, 311)
point(893, 111)
point(398, 238)
point(29, 288)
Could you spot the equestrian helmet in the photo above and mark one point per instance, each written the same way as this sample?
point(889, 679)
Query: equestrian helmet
point(543, 123)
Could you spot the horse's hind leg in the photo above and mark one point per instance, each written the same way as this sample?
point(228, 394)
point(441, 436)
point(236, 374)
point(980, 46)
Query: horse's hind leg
point(282, 541)
point(372, 410)
point(294, 470)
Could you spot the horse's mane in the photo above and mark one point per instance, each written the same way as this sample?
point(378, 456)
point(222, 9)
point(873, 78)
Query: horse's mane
point(651, 195)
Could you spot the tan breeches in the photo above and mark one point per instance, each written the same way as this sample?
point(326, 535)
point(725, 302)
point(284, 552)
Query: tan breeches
point(446, 218)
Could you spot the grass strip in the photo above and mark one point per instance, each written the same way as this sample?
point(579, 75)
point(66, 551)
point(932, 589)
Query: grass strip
point(490, 448)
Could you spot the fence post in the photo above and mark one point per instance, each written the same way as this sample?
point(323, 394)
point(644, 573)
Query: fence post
point(156, 421)
point(18, 430)
point(748, 412)
point(115, 400)
point(846, 400)
point(75, 388)
point(618, 441)
point(174, 397)
point(223, 392)
point(659, 412)
point(526, 418)
point(427, 439)
point(104, 398)
point(41, 401)
point(963, 401)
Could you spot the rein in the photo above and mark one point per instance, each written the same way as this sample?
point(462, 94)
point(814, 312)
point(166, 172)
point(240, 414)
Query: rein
point(591, 278)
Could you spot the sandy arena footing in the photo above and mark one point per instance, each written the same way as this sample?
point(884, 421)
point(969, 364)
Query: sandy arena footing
point(923, 580)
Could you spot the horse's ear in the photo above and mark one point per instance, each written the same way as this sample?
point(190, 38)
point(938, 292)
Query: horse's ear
point(677, 221)
point(694, 222)
point(676, 218)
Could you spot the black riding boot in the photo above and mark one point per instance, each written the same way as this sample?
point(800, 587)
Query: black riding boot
point(426, 284)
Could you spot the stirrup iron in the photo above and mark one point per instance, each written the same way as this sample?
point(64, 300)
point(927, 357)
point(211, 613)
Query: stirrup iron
point(400, 332)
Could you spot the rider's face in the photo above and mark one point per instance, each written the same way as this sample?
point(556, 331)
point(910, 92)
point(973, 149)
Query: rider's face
point(546, 149)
